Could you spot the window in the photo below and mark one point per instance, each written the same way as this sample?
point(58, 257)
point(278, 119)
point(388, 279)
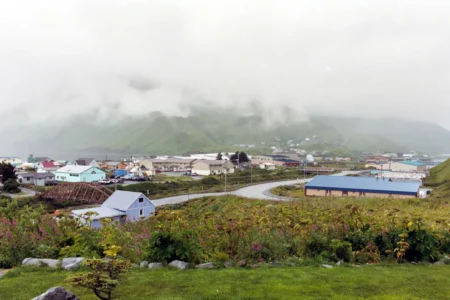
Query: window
point(141, 200)
point(362, 194)
point(344, 193)
point(141, 213)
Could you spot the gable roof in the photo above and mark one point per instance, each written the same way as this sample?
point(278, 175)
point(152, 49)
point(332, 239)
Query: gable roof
point(122, 200)
point(76, 169)
point(113, 163)
point(103, 212)
point(363, 184)
point(48, 164)
point(412, 163)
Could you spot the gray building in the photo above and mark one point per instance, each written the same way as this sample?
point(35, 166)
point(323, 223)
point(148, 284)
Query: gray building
point(35, 178)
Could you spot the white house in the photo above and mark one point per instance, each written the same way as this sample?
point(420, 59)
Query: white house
point(267, 166)
point(212, 167)
point(402, 166)
point(87, 162)
point(38, 179)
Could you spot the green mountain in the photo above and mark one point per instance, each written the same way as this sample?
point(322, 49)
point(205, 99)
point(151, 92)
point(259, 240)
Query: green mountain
point(211, 130)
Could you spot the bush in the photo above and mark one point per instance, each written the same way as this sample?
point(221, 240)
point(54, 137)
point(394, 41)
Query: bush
point(11, 186)
point(210, 180)
point(169, 246)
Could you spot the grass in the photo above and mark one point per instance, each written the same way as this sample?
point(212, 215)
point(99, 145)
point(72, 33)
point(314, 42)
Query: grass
point(166, 178)
point(291, 191)
point(366, 282)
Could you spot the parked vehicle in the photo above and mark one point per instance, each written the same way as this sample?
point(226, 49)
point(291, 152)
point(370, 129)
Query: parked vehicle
point(158, 171)
point(105, 182)
point(51, 183)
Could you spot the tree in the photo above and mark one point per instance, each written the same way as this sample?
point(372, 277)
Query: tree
point(7, 172)
point(11, 186)
point(239, 157)
point(104, 274)
point(219, 156)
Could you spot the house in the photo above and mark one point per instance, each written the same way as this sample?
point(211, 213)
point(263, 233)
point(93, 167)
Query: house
point(173, 164)
point(267, 166)
point(212, 167)
point(113, 165)
point(281, 160)
point(15, 161)
point(360, 187)
point(120, 206)
point(87, 162)
point(46, 166)
point(403, 166)
point(79, 174)
point(38, 179)
point(32, 159)
point(145, 166)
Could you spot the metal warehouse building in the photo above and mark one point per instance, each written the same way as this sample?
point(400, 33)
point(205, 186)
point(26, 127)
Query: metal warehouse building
point(360, 187)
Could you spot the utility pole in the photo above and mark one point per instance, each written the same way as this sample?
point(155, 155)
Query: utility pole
point(251, 172)
point(226, 171)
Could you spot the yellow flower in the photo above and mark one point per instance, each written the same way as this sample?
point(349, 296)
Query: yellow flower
point(410, 224)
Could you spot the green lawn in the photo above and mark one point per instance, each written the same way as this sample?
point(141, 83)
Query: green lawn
point(365, 282)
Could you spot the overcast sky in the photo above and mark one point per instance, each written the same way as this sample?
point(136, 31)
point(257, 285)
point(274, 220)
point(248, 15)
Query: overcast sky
point(366, 58)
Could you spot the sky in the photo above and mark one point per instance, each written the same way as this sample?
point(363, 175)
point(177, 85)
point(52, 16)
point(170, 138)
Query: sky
point(59, 59)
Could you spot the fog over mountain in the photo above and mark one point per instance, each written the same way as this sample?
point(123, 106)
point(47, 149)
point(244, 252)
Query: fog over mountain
point(120, 58)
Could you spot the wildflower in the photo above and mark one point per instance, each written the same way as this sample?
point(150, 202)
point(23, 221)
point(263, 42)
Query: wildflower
point(346, 227)
point(8, 235)
point(253, 246)
point(314, 227)
point(259, 248)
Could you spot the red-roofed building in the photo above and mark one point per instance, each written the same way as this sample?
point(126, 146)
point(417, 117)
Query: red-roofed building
point(47, 165)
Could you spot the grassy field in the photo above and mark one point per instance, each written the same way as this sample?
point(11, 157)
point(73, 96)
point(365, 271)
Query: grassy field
point(366, 282)
point(291, 191)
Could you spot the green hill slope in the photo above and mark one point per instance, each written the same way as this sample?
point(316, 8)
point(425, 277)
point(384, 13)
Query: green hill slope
point(439, 180)
point(214, 129)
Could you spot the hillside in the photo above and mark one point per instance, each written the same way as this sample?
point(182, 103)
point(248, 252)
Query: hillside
point(439, 180)
point(219, 130)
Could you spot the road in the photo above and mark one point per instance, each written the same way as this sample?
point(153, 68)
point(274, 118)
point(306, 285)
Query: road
point(25, 193)
point(258, 191)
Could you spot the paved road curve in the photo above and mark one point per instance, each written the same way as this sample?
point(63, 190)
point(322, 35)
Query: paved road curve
point(259, 191)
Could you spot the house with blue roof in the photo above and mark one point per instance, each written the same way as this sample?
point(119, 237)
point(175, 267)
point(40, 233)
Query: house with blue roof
point(343, 186)
point(121, 206)
point(402, 166)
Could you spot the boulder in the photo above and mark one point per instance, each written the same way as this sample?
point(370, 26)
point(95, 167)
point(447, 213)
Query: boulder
point(208, 265)
point(155, 265)
point(242, 263)
point(143, 264)
point(71, 263)
point(179, 264)
point(228, 264)
point(56, 293)
point(52, 263)
point(444, 261)
point(339, 263)
point(327, 266)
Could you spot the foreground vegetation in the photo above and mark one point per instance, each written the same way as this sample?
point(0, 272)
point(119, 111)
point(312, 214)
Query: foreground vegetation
point(231, 228)
point(439, 180)
point(366, 282)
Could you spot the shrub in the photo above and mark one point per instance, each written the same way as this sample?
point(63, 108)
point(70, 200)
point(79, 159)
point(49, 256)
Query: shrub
point(210, 180)
point(169, 246)
point(11, 186)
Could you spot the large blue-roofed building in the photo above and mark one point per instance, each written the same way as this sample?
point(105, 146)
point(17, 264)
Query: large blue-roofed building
point(360, 187)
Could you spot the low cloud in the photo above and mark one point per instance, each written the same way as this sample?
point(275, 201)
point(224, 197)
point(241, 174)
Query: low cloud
point(372, 59)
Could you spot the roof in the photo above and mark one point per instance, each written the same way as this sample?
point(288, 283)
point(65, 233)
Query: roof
point(412, 163)
point(47, 164)
point(174, 160)
point(103, 212)
point(113, 163)
point(287, 160)
point(40, 159)
point(37, 175)
point(121, 200)
point(84, 161)
point(363, 184)
point(76, 169)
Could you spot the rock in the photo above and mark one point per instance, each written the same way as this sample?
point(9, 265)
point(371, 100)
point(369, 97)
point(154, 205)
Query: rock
point(134, 266)
point(444, 261)
point(153, 266)
point(414, 263)
point(255, 266)
point(56, 293)
point(179, 264)
point(274, 264)
point(143, 264)
point(242, 263)
point(327, 266)
point(71, 263)
point(52, 263)
point(208, 265)
point(340, 263)
point(228, 264)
